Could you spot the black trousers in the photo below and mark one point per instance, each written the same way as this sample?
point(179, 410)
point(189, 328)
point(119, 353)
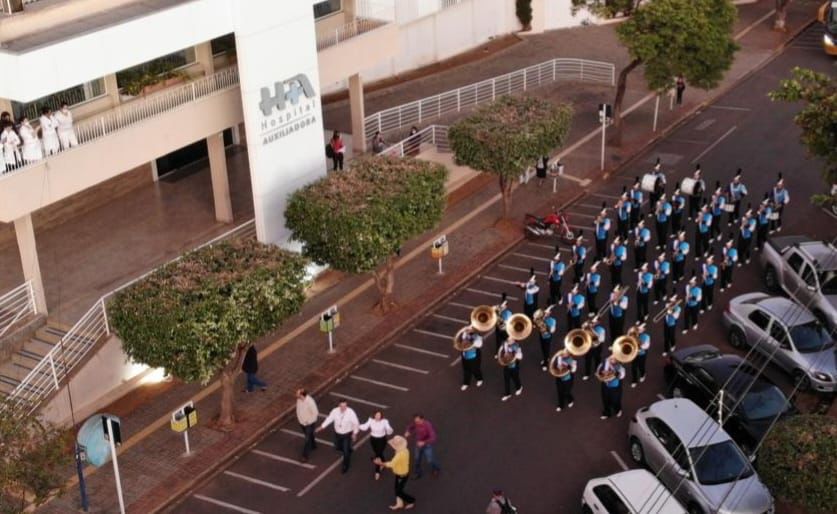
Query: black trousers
point(615, 275)
point(774, 224)
point(554, 291)
point(611, 399)
point(511, 375)
point(743, 248)
point(636, 213)
point(701, 243)
point(622, 227)
point(676, 222)
point(379, 444)
point(679, 268)
point(708, 295)
point(337, 160)
point(617, 324)
point(400, 484)
point(573, 321)
point(343, 444)
point(578, 268)
point(601, 248)
point(691, 317)
point(310, 441)
point(638, 367)
point(726, 276)
point(546, 345)
point(592, 360)
point(565, 391)
point(662, 234)
point(680, 95)
point(641, 306)
point(500, 337)
point(735, 214)
point(669, 340)
point(694, 205)
point(715, 228)
point(530, 308)
point(472, 368)
point(761, 234)
point(640, 255)
point(660, 289)
point(591, 301)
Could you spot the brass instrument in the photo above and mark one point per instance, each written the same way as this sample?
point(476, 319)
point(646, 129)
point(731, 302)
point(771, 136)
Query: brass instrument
point(484, 318)
point(504, 358)
point(622, 292)
point(519, 327)
point(459, 342)
point(559, 371)
point(539, 319)
point(605, 376)
point(626, 348)
point(578, 341)
point(662, 314)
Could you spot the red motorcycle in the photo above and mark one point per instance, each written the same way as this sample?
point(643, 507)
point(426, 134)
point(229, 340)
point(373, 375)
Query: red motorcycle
point(555, 223)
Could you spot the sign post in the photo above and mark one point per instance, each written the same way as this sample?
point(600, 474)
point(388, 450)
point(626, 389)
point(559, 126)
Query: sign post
point(556, 170)
point(605, 115)
point(182, 420)
point(656, 111)
point(439, 250)
point(329, 320)
point(82, 486)
point(110, 425)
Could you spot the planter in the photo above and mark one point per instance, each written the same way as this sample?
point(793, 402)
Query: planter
point(163, 84)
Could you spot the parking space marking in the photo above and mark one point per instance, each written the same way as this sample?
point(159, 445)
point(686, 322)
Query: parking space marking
point(455, 361)
point(587, 206)
point(433, 334)
point(548, 247)
point(358, 400)
point(256, 481)
point(601, 195)
point(463, 305)
point(302, 436)
point(283, 459)
point(583, 215)
point(421, 350)
point(489, 293)
point(619, 460)
point(449, 318)
point(713, 145)
point(329, 469)
point(504, 281)
point(400, 366)
point(378, 382)
point(535, 257)
point(661, 397)
point(518, 268)
point(226, 505)
point(729, 108)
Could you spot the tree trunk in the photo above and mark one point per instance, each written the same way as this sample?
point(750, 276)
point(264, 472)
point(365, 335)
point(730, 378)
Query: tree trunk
point(226, 417)
point(385, 282)
point(780, 22)
point(506, 193)
point(621, 86)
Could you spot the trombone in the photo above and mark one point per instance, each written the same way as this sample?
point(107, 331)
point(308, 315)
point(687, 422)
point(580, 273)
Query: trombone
point(670, 305)
point(622, 292)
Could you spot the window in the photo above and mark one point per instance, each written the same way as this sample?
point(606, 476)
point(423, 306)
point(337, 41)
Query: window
point(322, 9)
point(760, 319)
point(808, 276)
point(795, 262)
point(720, 463)
point(610, 500)
point(223, 44)
point(157, 66)
point(72, 96)
point(705, 378)
point(779, 334)
point(828, 282)
point(810, 337)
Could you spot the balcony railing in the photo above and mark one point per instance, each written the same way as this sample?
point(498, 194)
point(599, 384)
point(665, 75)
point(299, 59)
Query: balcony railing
point(371, 14)
point(91, 129)
point(17, 306)
point(6, 5)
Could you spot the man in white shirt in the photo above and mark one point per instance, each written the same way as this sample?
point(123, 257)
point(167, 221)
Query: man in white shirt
point(306, 414)
point(66, 134)
point(346, 427)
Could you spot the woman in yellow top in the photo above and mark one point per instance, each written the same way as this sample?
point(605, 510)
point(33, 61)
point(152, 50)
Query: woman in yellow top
point(400, 466)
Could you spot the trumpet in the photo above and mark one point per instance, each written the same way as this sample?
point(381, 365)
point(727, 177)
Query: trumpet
point(559, 371)
point(662, 314)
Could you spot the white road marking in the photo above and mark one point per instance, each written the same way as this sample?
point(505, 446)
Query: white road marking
point(583, 215)
point(358, 400)
point(661, 397)
point(713, 145)
point(504, 281)
point(688, 141)
point(463, 305)
point(729, 108)
point(455, 361)
point(619, 461)
point(329, 469)
point(377, 382)
point(433, 334)
point(449, 318)
point(400, 366)
point(226, 505)
point(830, 213)
point(705, 124)
point(283, 459)
point(600, 195)
point(549, 247)
point(421, 350)
point(588, 205)
point(301, 436)
point(256, 481)
point(489, 293)
point(754, 24)
point(535, 257)
point(518, 268)
point(583, 182)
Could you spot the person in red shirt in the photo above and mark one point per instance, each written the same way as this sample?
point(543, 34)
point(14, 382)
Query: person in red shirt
point(338, 149)
point(425, 439)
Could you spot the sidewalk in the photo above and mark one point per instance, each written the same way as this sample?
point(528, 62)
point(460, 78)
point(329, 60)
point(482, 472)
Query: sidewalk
point(154, 473)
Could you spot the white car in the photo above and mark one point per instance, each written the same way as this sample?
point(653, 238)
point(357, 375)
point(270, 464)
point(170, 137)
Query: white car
point(631, 492)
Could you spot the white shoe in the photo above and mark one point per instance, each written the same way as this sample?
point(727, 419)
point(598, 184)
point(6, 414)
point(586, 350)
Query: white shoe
point(702, 311)
point(709, 308)
point(585, 377)
point(656, 302)
point(479, 383)
point(463, 387)
point(633, 385)
point(602, 417)
point(685, 332)
point(778, 229)
point(505, 398)
point(557, 409)
point(519, 392)
point(738, 265)
point(723, 289)
point(642, 379)
point(619, 414)
point(673, 348)
point(665, 354)
point(569, 405)
point(696, 326)
point(543, 368)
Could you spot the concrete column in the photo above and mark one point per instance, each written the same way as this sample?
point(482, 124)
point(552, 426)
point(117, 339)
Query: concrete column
point(155, 174)
point(236, 134)
point(25, 232)
point(112, 89)
point(358, 113)
point(203, 55)
point(220, 179)
point(6, 105)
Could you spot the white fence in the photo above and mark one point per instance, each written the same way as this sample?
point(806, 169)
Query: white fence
point(470, 96)
point(436, 135)
point(17, 305)
point(56, 365)
point(142, 109)
point(370, 16)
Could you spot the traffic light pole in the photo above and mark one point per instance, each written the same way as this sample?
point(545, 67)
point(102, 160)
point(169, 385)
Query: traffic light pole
point(604, 130)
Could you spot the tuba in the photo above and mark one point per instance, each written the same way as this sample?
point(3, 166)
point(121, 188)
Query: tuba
point(626, 348)
point(484, 318)
point(562, 370)
point(579, 341)
point(504, 358)
point(459, 343)
point(519, 327)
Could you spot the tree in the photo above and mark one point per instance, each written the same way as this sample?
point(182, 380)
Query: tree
point(507, 136)
point(357, 220)
point(199, 315)
point(33, 459)
point(818, 117)
point(670, 38)
point(798, 462)
point(523, 10)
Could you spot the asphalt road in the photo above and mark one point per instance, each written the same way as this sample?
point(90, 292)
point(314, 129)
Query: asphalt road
point(540, 457)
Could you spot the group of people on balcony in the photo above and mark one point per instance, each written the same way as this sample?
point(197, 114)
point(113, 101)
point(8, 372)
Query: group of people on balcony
point(23, 144)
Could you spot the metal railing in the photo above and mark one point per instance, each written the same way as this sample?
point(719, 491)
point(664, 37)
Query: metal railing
point(91, 129)
point(47, 376)
point(17, 305)
point(6, 8)
point(370, 16)
point(436, 135)
point(470, 96)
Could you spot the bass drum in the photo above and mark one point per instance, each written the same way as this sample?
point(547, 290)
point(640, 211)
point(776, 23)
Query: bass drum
point(649, 182)
point(688, 185)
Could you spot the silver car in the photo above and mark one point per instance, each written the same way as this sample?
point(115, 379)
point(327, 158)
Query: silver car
point(696, 459)
point(788, 334)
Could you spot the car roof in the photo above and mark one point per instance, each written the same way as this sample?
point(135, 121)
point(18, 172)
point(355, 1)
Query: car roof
point(639, 486)
point(726, 366)
point(786, 310)
point(821, 253)
point(687, 420)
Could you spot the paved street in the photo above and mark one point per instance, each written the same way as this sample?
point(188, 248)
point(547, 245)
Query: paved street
point(540, 457)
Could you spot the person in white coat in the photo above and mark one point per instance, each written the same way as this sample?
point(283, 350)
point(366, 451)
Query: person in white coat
point(49, 131)
point(31, 144)
point(66, 134)
point(11, 146)
point(379, 429)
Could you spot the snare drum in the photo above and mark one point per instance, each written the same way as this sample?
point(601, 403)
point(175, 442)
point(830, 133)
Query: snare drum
point(729, 207)
point(649, 181)
point(773, 216)
point(688, 185)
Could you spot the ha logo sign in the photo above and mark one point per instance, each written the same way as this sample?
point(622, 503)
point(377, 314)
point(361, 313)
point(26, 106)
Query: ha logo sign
point(289, 108)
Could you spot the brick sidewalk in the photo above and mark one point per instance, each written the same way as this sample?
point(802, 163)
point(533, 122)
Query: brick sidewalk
point(153, 471)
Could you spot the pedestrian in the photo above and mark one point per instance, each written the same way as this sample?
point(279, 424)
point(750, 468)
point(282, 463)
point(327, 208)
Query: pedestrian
point(663, 213)
point(378, 144)
point(662, 269)
point(31, 150)
point(636, 203)
point(710, 275)
point(645, 282)
point(338, 151)
point(703, 233)
point(618, 256)
point(623, 214)
point(638, 364)
point(678, 203)
point(425, 440)
point(694, 298)
point(499, 504)
point(618, 310)
point(10, 142)
point(413, 144)
point(66, 133)
point(400, 466)
point(719, 205)
point(500, 333)
point(680, 249)
point(593, 358)
point(49, 131)
point(546, 325)
point(737, 191)
point(556, 275)
point(346, 426)
point(564, 383)
point(306, 414)
point(680, 86)
point(579, 256)
point(379, 429)
point(745, 235)
point(611, 373)
point(730, 257)
point(642, 236)
point(673, 311)
point(530, 294)
point(575, 304)
point(696, 196)
point(511, 353)
point(781, 197)
point(250, 367)
point(763, 216)
point(540, 169)
point(471, 357)
point(601, 226)
point(593, 280)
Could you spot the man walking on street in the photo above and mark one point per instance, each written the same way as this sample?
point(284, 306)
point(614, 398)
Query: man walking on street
point(306, 414)
point(346, 427)
point(250, 367)
point(425, 439)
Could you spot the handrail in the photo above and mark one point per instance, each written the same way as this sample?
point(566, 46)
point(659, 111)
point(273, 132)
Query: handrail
point(436, 135)
point(73, 347)
point(486, 91)
point(369, 17)
point(17, 304)
point(139, 110)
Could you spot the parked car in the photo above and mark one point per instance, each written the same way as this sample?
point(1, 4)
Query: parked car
point(750, 402)
point(806, 270)
point(786, 333)
point(631, 492)
point(696, 459)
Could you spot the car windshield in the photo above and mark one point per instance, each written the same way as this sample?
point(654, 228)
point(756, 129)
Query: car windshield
point(810, 337)
point(765, 403)
point(828, 279)
point(720, 463)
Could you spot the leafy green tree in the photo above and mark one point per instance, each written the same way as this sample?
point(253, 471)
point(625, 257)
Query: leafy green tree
point(670, 38)
point(508, 135)
point(357, 220)
point(197, 316)
point(523, 10)
point(798, 462)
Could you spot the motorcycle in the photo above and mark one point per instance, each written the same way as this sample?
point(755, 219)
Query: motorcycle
point(555, 223)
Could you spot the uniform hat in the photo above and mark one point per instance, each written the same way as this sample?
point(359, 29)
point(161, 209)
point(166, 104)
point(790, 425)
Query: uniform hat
point(644, 266)
point(781, 181)
point(398, 443)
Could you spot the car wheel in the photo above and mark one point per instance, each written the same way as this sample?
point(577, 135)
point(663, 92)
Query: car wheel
point(585, 509)
point(771, 281)
point(737, 338)
point(637, 454)
point(802, 378)
point(695, 509)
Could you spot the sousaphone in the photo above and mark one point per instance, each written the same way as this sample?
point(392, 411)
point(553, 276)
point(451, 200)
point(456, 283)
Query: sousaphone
point(519, 327)
point(459, 344)
point(578, 341)
point(483, 318)
point(559, 371)
point(626, 348)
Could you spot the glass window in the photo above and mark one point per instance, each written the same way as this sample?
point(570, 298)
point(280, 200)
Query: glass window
point(720, 463)
point(328, 7)
point(795, 262)
point(828, 282)
point(158, 66)
point(760, 319)
point(223, 44)
point(810, 337)
point(808, 276)
point(72, 96)
point(767, 402)
point(779, 334)
point(610, 500)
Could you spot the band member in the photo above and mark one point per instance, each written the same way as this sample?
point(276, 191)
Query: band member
point(679, 249)
point(530, 294)
point(471, 358)
point(745, 235)
point(645, 281)
point(618, 256)
point(781, 197)
point(719, 202)
point(703, 232)
point(663, 213)
point(730, 258)
point(564, 384)
point(593, 358)
point(612, 388)
point(662, 269)
point(678, 205)
point(709, 273)
point(575, 306)
point(763, 216)
point(694, 296)
point(602, 228)
point(556, 275)
point(659, 184)
point(737, 191)
point(642, 236)
point(696, 198)
point(579, 256)
point(636, 203)
point(511, 373)
point(503, 315)
point(623, 214)
point(546, 325)
point(670, 324)
point(618, 309)
point(638, 364)
point(592, 281)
